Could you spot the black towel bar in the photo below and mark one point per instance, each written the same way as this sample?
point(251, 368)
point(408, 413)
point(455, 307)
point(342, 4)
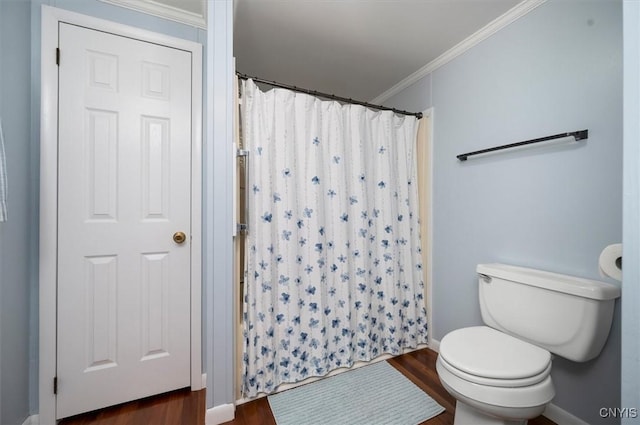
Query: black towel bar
point(578, 135)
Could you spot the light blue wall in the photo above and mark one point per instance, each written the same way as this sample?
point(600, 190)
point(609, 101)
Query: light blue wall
point(15, 235)
point(631, 213)
point(557, 69)
point(416, 98)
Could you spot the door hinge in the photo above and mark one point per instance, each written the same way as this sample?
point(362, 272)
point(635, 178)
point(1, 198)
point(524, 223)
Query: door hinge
point(58, 56)
point(55, 385)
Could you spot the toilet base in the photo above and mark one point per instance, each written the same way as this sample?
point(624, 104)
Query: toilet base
point(467, 415)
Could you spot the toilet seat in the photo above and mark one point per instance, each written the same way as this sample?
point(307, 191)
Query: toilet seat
point(486, 356)
point(482, 365)
point(497, 382)
point(534, 396)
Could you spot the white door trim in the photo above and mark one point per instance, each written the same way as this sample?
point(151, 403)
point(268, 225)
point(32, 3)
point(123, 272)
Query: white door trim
point(429, 114)
point(48, 192)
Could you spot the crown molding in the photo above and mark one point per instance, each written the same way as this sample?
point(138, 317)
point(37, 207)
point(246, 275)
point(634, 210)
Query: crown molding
point(157, 8)
point(512, 15)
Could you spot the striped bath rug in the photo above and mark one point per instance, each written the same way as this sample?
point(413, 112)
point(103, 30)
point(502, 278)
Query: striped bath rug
point(377, 394)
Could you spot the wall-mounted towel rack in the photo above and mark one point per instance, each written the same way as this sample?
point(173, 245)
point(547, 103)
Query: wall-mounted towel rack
point(578, 135)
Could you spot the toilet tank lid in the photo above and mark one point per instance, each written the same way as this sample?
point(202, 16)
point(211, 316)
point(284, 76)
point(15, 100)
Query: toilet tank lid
point(573, 285)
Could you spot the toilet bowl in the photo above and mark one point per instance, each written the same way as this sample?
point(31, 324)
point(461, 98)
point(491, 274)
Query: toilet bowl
point(502, 380)
point(500, 374)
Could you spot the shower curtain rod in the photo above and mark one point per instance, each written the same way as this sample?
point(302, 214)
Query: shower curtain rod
point(327, 96)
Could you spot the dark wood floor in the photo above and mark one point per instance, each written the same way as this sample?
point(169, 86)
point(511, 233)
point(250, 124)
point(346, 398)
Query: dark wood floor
point(419, 366)
point(182, 407)
point(185, 407)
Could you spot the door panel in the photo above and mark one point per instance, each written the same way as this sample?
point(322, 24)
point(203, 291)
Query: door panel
point(124, 190)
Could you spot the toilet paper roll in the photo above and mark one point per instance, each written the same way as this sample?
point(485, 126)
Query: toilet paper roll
point(610, 262)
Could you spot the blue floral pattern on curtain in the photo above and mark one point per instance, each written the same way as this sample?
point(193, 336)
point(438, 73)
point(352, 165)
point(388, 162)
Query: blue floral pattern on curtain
point(334, 266)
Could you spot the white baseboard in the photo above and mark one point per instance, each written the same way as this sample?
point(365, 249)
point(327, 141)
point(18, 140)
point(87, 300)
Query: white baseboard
point(204, 380)
point(220, 414)
point(434, 344)
point(32, 420)
point(561, 416)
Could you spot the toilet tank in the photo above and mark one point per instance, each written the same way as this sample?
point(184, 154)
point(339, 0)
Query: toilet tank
point(567, 315)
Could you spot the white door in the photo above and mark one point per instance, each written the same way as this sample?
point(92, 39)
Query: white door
point(124, 191)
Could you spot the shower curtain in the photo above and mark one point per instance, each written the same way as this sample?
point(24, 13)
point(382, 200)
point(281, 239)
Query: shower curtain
point(334, 266)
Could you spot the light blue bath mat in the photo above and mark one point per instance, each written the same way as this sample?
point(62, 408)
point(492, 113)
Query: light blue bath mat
point(372, 395)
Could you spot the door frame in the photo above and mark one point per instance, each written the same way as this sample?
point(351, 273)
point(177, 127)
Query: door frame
point(51, 17)
point(426, 209)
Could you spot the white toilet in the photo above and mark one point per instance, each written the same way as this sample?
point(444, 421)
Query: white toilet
point(500, 373)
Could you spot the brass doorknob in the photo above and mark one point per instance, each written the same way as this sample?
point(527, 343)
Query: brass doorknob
point(179, 237)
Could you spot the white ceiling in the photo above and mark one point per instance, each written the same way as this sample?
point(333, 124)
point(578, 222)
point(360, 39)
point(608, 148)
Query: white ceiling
point(352, 48)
